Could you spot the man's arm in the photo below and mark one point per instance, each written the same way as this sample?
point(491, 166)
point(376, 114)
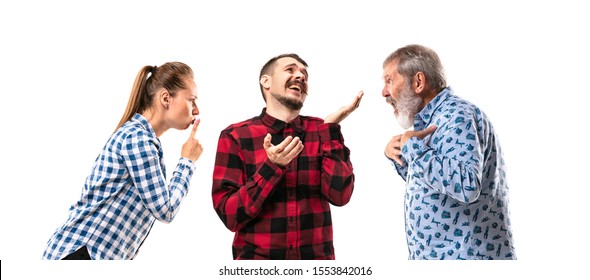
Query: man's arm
point(337, 177)
point(237, 199)
point(452, 163)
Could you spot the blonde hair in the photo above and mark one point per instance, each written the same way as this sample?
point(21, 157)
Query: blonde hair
point(171, 76)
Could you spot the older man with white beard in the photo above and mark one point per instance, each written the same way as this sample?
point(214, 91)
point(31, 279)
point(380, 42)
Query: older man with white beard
point(456, 202)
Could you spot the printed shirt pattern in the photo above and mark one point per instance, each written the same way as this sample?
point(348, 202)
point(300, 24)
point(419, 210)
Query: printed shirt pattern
point(456, 202)
point(122, 197)
point(281, 213)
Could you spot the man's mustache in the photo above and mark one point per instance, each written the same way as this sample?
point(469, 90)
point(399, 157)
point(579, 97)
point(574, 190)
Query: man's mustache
point(300, 84)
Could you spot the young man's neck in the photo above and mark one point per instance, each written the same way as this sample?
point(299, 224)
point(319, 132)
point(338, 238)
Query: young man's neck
point(282, 113)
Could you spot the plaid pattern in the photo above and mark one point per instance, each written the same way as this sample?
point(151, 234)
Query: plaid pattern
point(281, 213)
point(122, 197)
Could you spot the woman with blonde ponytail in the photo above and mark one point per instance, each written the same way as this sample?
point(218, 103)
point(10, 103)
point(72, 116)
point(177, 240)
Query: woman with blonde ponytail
point(126, 190)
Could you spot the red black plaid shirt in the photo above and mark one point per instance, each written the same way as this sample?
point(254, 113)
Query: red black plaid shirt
point(281, 213)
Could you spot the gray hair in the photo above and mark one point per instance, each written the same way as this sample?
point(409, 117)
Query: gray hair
point(412, 59)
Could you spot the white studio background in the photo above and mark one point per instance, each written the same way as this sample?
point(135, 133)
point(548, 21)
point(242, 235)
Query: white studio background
point(66, 69)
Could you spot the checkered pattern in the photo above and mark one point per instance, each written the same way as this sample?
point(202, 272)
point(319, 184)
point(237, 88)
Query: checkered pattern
point(122, 197)
point(456, 202)
point(281, 213)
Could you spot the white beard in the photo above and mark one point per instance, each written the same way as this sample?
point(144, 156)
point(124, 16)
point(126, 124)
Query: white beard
point(405, 120)
point(408, 106)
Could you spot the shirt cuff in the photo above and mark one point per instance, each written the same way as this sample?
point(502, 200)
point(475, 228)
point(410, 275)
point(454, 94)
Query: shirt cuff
point(185, 169)
point(270, 171)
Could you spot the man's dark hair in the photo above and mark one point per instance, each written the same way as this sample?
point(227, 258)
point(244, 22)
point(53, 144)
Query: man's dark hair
point(269, 67)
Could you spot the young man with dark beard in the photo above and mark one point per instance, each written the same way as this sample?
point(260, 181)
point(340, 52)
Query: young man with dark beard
point(276, 174)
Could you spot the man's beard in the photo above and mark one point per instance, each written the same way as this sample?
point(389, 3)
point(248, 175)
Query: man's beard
point(290, 103)
point(408, 105)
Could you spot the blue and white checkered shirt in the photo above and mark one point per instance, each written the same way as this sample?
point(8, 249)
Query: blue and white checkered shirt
point(122, 197)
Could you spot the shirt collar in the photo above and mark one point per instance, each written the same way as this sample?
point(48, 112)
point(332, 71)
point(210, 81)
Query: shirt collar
point(422, 119)
point(278, 125)
point(141, 120)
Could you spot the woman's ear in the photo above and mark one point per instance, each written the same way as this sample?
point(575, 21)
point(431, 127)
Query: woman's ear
point(165, 98)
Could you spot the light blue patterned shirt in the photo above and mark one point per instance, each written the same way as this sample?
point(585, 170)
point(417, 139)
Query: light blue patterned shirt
point(456, 202)
point(124, 194)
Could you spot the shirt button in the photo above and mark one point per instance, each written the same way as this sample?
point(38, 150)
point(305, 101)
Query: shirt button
point(291, 246)
point(290, 219)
